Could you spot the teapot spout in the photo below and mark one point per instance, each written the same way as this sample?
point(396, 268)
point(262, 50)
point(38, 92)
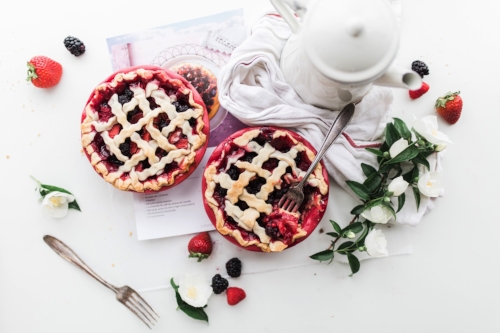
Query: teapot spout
point(397, 77)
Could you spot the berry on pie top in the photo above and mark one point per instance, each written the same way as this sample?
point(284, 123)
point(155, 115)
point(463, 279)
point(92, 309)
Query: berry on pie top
point(144, 129)
point(246, 177)
point(204, 81)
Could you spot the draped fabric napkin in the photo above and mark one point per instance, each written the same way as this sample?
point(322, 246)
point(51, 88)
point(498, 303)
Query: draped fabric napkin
point(253, 88)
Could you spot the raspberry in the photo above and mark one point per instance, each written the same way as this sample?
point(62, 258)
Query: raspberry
point(233, 267)
point(219, 284)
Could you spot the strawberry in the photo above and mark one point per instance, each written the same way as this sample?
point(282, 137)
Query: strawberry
point(114, 130)
point(44, 72)
point(200, 246)
point(414, 94)
point(235, 295)
point(449, 107)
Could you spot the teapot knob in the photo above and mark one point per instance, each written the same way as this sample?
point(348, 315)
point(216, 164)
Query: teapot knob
point(355, 26)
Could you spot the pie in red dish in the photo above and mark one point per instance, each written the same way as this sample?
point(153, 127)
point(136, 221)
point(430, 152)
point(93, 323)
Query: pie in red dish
point(144, 129)
point(204, 82)
point(245, 178)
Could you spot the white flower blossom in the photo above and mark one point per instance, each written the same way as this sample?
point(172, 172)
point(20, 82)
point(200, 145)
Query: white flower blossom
point(428, 128)
point(376, 244)
point(440, 147)
point(195, 289)
point(56, 204)
point(429, 184)
point(378, 214)
point(398, 186)
point(397, 147)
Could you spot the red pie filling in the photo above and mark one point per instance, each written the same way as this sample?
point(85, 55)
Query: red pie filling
point(279, 225)
point(144, 129)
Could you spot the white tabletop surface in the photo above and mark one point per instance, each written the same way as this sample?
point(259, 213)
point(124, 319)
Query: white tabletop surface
point(449, 284)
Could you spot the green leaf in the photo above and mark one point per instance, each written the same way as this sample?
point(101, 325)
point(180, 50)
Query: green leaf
point(74, 205)
point(336, 227)
point(344, 247)
point(384, 147)
point(375, 151)
point(373, 203)
point(195, 313)
point(406, 155)
point(358, 210)
point(361, 239)
point(391, 134)
point(402, 128)
point(54, 189)
point(420, 159)
point(359, 189)
point(388, 206)
point(355, 227)
point(368, 170)
point(172, 283)
point(399, 171)
point(373, 182)
point(408, 177)
point(385, 168)
point(401, 201)
point(323, 255)
point(354, 263)
point(416, 192)
point(333, 234)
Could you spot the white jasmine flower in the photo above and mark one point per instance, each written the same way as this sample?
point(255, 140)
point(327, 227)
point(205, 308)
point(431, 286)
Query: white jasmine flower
point(378, 214)
point(195, 289)
point(56, 204)
point(376, 244)
point(428, 128)
point(398, 186)
point(440, 147)
point(429, 184)
point(397, 147)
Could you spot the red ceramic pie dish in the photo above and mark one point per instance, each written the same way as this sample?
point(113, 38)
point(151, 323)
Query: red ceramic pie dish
point(144, 129)
point(246, 176)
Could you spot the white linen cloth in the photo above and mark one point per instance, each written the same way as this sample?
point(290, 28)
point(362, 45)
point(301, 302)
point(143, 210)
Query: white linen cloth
point(253, 88)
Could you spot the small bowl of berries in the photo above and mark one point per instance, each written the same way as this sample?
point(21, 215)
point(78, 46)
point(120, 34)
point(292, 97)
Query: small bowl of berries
point(244, 180)
point(144, 129)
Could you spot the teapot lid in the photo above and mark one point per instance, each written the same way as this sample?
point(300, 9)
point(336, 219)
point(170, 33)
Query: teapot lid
point(351, 41)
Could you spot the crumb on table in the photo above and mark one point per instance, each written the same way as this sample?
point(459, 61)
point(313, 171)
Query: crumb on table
point(321, 230)
point(130, 234)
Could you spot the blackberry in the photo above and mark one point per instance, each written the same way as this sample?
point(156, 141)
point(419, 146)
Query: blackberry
point(420, 67)
point(272, 232)
point(74, 46)
point(219, 284)
point(126, 97)
point(233, 172)
point(233, 267)
point(125, 147)
point(180, 107)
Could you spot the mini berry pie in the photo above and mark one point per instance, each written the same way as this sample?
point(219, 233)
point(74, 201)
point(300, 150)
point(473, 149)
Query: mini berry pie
point(144, 129)
point(246, 177)
point(205, 83)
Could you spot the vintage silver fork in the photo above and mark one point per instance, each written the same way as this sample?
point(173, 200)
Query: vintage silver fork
point(293, 198)
point(126, 295)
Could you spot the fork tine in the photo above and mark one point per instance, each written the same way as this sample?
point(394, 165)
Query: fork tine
point(296, 208)
point(282, 201)
point(146, 303)
point(138, 302)
point(136, 313)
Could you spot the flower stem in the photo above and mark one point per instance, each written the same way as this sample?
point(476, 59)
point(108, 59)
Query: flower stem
point(340, 236)
point(38, 182)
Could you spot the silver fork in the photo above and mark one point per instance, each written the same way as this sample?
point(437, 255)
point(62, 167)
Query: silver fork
point(126, 295)
point(293, 198)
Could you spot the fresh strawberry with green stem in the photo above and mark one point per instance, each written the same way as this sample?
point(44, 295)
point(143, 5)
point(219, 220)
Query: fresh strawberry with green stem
point(414, 94)
point(200, 246)
point(44, 72)
point(449, 107)
point(235, 295)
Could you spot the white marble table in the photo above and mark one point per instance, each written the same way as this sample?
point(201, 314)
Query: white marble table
point(449, 284)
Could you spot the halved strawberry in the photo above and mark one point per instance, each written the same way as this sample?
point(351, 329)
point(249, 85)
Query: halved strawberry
point(133, 147)
point(414, 94)
point(146, 136)
point(182, 144)
point(114, 130)
point(175, 136)
point(136, 117)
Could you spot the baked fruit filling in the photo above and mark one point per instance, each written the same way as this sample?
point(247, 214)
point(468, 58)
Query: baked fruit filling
point(246, 182)
point(204, 81)
point(142, 129)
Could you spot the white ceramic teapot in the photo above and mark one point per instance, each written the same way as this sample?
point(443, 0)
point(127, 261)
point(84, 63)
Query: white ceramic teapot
point(340, 49)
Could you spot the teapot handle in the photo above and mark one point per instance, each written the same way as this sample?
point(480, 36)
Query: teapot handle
point(285, 8)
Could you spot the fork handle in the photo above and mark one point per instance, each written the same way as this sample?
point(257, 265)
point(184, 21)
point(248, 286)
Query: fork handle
point(338, 126)
point(64, 251)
